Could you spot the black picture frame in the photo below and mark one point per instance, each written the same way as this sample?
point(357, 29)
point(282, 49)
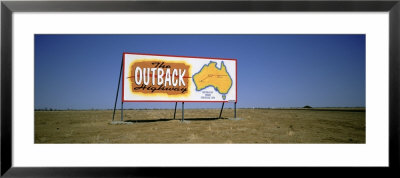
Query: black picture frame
point(8, 7)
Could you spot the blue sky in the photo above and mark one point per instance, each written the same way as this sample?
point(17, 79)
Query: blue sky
point(81, 71)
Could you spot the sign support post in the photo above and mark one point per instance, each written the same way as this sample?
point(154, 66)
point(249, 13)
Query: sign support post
point(122, 111)
point(235, 110)
point(220, 113)
point(176, 103)
point(183, 117)
point(119, 81)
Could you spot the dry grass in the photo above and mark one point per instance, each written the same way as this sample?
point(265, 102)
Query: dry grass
point(201, 126)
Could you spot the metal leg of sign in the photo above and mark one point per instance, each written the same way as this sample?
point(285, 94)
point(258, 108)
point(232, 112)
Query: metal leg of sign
point(122, 111)
point(176, 103)
point(220, 113)
point(116, 97)
point(183, 117)
point(235, 109)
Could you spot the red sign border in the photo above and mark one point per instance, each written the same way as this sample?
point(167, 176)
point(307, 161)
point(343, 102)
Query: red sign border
point(123, 77)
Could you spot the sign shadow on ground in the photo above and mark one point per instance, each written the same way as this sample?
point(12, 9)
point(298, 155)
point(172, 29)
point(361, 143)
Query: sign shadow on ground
point(164, 119)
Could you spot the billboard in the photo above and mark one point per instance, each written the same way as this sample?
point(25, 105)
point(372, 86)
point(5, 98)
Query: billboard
point(166, 78)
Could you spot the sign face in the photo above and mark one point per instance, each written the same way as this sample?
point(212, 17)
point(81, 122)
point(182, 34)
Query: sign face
point(163, 78)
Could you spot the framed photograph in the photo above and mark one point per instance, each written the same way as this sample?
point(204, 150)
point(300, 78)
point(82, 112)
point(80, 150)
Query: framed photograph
point(112, 89)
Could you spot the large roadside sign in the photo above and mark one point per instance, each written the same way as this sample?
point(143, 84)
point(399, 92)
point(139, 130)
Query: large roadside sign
point(166, 78)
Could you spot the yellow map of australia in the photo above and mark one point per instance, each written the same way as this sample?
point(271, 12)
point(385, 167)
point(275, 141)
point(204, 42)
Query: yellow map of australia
point(210, 75)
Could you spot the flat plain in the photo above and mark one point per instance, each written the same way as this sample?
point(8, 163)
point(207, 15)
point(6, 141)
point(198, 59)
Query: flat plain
point(258, 126)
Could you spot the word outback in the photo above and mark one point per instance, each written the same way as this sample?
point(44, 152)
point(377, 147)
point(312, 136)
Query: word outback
point(161, 75)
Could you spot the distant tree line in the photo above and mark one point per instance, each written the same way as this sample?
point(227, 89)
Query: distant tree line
point(304, 107)
point(47, 109)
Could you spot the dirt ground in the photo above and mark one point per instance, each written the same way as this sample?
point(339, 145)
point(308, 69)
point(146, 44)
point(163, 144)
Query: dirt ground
point(202, 126)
